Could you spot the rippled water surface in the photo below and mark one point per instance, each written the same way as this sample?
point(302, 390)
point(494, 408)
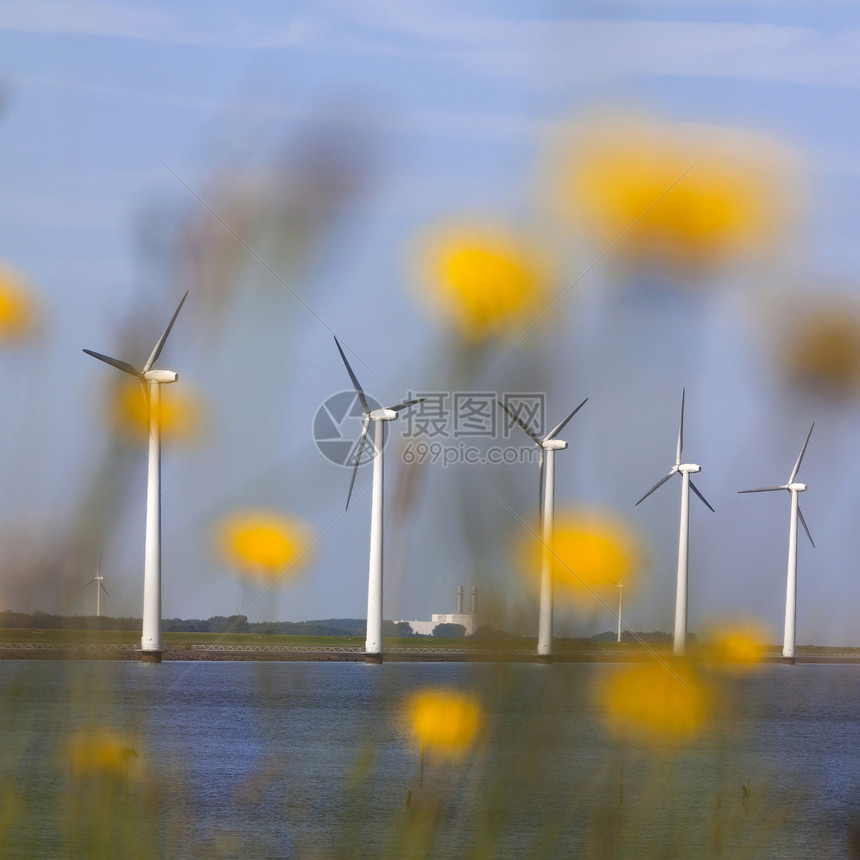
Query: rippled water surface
point(310, 760)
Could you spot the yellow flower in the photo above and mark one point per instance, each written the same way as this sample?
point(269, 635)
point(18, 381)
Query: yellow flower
point(100, 752)
point(264, 542)
point(482, 279)
point(128, 410)
point(445, 721)
point(819, 346)
point(738, 647)
point(687, 194)
point(17, 306)
point(661, 703)
point(591, 552)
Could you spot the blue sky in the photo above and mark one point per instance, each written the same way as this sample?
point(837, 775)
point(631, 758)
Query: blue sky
point(123, 123)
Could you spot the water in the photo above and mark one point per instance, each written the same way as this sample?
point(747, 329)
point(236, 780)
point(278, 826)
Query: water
point(311, 760)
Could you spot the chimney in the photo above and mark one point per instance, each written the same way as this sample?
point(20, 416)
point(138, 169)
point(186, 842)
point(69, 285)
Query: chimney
point(474, 600)
point(459, 600)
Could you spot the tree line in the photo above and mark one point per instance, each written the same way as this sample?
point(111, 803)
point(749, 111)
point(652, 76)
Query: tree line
point(328, 627)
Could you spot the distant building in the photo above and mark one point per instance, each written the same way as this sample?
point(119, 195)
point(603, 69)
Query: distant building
point(468, 619)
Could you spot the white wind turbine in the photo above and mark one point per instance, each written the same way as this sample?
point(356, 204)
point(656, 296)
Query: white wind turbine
point(151, 379)
point(99, 580)
point(620, 585)
point(793, 488)
point(547, 446)
point(373, 640)
point(685, 470)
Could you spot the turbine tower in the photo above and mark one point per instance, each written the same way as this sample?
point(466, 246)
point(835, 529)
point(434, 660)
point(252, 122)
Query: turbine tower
point(98, 579)
point(547, 446)
point(619, 585)
point(793, 488)
point(151, 379)
point(685, 470)
point(373, 640)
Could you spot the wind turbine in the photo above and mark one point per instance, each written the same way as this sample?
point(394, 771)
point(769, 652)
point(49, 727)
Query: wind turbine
point(547, 446)
point(793, 488)
point(619, 585)
point(373, 640)
point(151, 378)
point(685, 470)
point(98, 579)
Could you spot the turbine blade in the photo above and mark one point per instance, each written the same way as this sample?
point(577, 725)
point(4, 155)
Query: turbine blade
point(802, 452)
point(681, 430)
point(406, 404)
point(160, 345)
point(124, 366)
point(355, 384)
point(657, 486)
point(99, 570)
point(805, 526)
point(104, 589)
point(696, 491)
point(86, 584)
point(763, 489)
point(559, 427)
point(529, 432)
point(358, 458)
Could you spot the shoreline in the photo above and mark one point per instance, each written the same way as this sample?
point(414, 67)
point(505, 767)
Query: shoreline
point(27, 651)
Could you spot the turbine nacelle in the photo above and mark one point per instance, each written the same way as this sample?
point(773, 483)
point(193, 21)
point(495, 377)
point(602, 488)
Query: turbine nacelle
point(689, 468)
point(796, 487)
point(162, 377)
point(384, 414)
point(553, 445)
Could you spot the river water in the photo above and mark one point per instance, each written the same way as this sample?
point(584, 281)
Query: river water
point(311, 760)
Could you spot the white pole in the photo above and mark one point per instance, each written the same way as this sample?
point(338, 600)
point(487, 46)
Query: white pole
point(98, 597)
point(620, 586)
point(151, 638)
point(791, 584)
point(373, 642)
point(545, 623)
point(683, 558)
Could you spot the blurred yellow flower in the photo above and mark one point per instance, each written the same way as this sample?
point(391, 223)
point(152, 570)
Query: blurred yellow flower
point(591, 552)
point(128, 410)
point(819, 346)
point(264, 543)
point(101, 752)
point(482, 279)
point(688, 194)
point(661, 703)
point(738, 646)
point(446, 721)
point(17, 306)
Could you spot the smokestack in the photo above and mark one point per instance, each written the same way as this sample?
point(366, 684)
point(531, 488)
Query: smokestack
point(459, 600)
point(474, 600)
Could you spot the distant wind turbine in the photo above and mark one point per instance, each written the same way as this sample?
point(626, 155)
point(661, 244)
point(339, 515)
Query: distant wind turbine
point(151, 379)
point(547, 446)
point(791, 585)
point(99, 580)
point(373, 640)
point(619, 585)
point(685, 470)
